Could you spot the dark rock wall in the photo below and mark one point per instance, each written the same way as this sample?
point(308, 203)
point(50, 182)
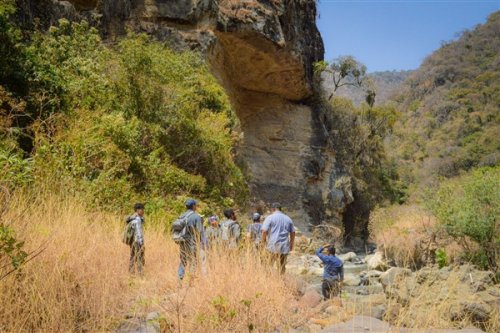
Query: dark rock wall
point(263, 52)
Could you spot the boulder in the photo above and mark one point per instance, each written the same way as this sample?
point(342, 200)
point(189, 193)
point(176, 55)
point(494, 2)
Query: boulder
point(349, 256)
point(362, 291)
point(311, 299)
point(333, 309)
point(376, 261)
point(478, 312)
point(359, 324)
point(392, 275)
point(369, 277)
point(371, 274)
point(351, 280)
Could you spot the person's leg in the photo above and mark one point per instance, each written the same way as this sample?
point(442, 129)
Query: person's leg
point(183, 262)
point(131, 266)
point(282, 262)
point(140, 259)
point(272, 258)
point(326, 289)
point(192, 259)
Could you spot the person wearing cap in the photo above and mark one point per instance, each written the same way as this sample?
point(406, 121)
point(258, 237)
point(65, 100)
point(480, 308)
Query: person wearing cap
point(230, 230)
point(333, 273)
point(195, 238)
point(136, 222)
point(254, 230)
point(212, 231)
point(278, 233)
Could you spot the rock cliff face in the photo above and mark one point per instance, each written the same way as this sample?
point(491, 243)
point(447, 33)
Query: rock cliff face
point(262, 51)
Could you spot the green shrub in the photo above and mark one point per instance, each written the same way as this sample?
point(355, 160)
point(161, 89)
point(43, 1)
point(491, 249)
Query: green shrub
point(112, 125)
point(357, 135)
point(449, 106)
point(441, 258)
point(468, 207)
point(12, 255)
point(15, 170)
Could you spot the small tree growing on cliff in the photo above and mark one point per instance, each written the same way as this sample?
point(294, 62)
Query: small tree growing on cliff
point(347, 71)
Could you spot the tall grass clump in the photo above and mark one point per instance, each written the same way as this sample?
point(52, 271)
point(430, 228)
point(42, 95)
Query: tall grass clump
point(79, 282)
point(410, 237)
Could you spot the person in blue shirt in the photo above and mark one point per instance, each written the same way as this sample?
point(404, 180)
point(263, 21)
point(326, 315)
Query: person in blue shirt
point(333, 273)
point(278, 233)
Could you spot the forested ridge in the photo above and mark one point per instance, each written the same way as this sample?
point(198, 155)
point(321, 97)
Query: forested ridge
point(445, 147)
point(449, 107)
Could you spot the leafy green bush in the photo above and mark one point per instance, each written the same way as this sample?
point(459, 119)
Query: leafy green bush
point(11, 250)
point(112, 125)
point(441, 258)
point(469, 207)
point(357, 135)
point(15, 170)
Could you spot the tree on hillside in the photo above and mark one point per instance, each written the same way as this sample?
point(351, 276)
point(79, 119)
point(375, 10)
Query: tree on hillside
point(347, 71)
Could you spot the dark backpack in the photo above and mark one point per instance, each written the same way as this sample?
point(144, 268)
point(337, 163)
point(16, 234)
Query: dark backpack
point(128, 232)
point(180, 232)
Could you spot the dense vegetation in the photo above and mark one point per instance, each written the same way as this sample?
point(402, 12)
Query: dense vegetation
point(445, 145)
point(468, 208)
point(449, 106)
point(112, 125)
point(357, 135)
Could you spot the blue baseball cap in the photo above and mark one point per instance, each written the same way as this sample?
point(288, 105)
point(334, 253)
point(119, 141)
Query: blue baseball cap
point(256, 216)
point(190, 203)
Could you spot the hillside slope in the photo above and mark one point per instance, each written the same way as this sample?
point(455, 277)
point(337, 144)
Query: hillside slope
point(450, 109)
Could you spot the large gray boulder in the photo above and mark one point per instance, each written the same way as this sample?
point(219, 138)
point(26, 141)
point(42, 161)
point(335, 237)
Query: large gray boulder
point(393, 275)
point(376, 261)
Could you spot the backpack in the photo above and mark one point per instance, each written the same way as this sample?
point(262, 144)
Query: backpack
point(180, 229)
point(226, 230)
point(128, 232)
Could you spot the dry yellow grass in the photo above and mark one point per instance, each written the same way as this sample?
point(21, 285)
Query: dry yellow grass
point(438, 298)
point(409, 236)
point(80, 282)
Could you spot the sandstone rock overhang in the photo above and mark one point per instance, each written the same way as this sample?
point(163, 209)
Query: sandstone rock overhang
point(263, 53)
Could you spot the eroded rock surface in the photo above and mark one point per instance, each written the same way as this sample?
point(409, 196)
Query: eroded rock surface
point(263, 52)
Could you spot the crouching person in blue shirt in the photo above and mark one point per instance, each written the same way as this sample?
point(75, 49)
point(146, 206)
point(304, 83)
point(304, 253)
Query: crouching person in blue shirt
point(333, 273)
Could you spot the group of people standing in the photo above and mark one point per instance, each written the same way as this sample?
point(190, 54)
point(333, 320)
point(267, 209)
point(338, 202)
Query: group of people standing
point(275, 235)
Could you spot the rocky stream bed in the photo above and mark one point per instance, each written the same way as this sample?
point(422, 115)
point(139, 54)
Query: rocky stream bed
point(374, 295)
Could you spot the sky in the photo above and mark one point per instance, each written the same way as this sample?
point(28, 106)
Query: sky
point(395, 34)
